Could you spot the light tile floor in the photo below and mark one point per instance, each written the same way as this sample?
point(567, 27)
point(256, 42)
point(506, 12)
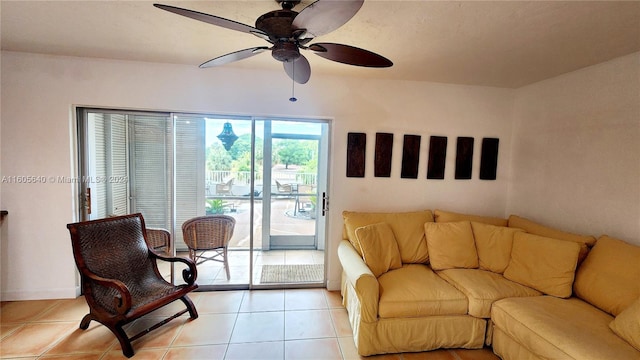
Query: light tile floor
point(259, 324)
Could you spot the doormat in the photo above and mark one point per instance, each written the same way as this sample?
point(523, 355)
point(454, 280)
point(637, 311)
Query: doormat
point(292, 273)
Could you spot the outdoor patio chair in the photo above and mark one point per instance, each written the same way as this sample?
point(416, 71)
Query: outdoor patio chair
point(210, 233)
point(120, 277)
point(225, 188)
point(283, 189)
point(303, 202)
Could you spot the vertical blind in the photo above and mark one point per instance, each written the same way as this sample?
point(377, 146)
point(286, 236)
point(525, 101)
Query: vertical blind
point(131, 161)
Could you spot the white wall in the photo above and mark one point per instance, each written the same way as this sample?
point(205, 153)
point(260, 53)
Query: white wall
point(39, 93)
point(576, 150)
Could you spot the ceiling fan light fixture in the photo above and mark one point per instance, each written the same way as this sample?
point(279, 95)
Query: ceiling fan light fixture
point(285, 51)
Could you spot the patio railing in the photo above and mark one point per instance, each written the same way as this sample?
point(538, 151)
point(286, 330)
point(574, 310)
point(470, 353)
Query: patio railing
point(243, 178)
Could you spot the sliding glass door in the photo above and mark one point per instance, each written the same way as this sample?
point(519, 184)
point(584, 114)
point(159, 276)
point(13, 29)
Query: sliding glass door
point(174, 167)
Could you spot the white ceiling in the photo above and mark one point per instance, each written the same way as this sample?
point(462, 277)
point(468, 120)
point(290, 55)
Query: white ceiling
point(493, 43)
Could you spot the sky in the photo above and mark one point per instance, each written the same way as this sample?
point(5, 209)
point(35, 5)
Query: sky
point(214, 127)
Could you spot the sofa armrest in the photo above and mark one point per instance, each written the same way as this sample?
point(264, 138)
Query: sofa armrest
point(362, 279)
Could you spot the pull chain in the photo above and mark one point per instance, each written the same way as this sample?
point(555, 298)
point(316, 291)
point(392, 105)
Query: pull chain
point(293, 84)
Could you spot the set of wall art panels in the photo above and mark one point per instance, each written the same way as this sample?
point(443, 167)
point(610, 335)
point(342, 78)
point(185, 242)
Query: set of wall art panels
point(356, 156)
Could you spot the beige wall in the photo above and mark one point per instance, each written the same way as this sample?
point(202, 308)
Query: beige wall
point(576, 150)
point(39, 93)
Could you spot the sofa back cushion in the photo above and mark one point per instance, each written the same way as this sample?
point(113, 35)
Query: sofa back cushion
point(529, 226)
point(408, 228)
point(448, 216)
point(609, 278)
point(545, 264)
point(493, 244)
point(451, 245)
point(379, 248)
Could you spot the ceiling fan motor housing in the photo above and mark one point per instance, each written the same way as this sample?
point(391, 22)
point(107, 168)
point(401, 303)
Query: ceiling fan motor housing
point(277, 24)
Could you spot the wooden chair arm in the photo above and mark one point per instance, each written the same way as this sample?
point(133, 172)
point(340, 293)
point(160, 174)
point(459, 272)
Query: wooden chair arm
point(122, 301)
point(189, 275)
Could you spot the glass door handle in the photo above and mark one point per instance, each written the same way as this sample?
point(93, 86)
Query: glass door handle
point(325, 203)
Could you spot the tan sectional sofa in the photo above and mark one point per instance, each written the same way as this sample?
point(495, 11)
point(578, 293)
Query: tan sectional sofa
point(413, 281)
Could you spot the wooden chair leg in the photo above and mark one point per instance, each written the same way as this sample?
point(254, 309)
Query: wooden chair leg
point(84, 324)
point(125, 343)
point(189, 304)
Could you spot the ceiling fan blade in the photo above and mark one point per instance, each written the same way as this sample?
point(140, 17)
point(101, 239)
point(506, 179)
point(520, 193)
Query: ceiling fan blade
point(322, 17)
point(234, 56)
point(298, 70)
point(211, 19)
point(350, 55)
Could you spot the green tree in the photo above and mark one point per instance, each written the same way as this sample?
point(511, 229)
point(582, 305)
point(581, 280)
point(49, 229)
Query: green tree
point(217, 158)
point(311, 166)
point(294, 152)
point(241, 146)
point(243, 163)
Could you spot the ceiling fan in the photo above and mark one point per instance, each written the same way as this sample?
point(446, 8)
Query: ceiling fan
point(288, 31)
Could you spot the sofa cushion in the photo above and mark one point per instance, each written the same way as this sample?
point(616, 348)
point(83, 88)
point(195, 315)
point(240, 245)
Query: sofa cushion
point(379, 248)
point(545, 264)
point(451, 245)
point(483, 288)
point(627, 324)
point(554, 328)
point(448, 216)
point(529, 226)
point(414, 291)
point(493, 244)
point(408, 228)
point(608, 278)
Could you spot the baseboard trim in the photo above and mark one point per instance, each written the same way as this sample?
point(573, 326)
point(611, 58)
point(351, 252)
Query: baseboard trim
point(20, 295)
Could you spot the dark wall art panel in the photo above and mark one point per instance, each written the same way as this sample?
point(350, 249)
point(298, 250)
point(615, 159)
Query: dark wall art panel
point(384, 150)
point(489, 159)
point(410, 157)
point(464, 158)
point(356, 151)
point(437, 157)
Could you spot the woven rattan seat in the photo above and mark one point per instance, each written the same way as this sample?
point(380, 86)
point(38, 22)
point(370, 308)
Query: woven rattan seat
point(120, 277)
point(209, 234)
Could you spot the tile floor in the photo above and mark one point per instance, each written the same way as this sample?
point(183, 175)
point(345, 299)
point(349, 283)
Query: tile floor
point(259, 324)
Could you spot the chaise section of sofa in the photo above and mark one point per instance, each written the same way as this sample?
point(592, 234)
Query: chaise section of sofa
point(554, 328)
point(580, 327)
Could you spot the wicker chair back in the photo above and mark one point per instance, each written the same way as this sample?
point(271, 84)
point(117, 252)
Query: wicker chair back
point(208, 232)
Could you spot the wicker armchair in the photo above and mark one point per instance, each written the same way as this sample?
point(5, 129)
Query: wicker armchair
point(159, 239)
point(209, 233)
point(120, 277)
